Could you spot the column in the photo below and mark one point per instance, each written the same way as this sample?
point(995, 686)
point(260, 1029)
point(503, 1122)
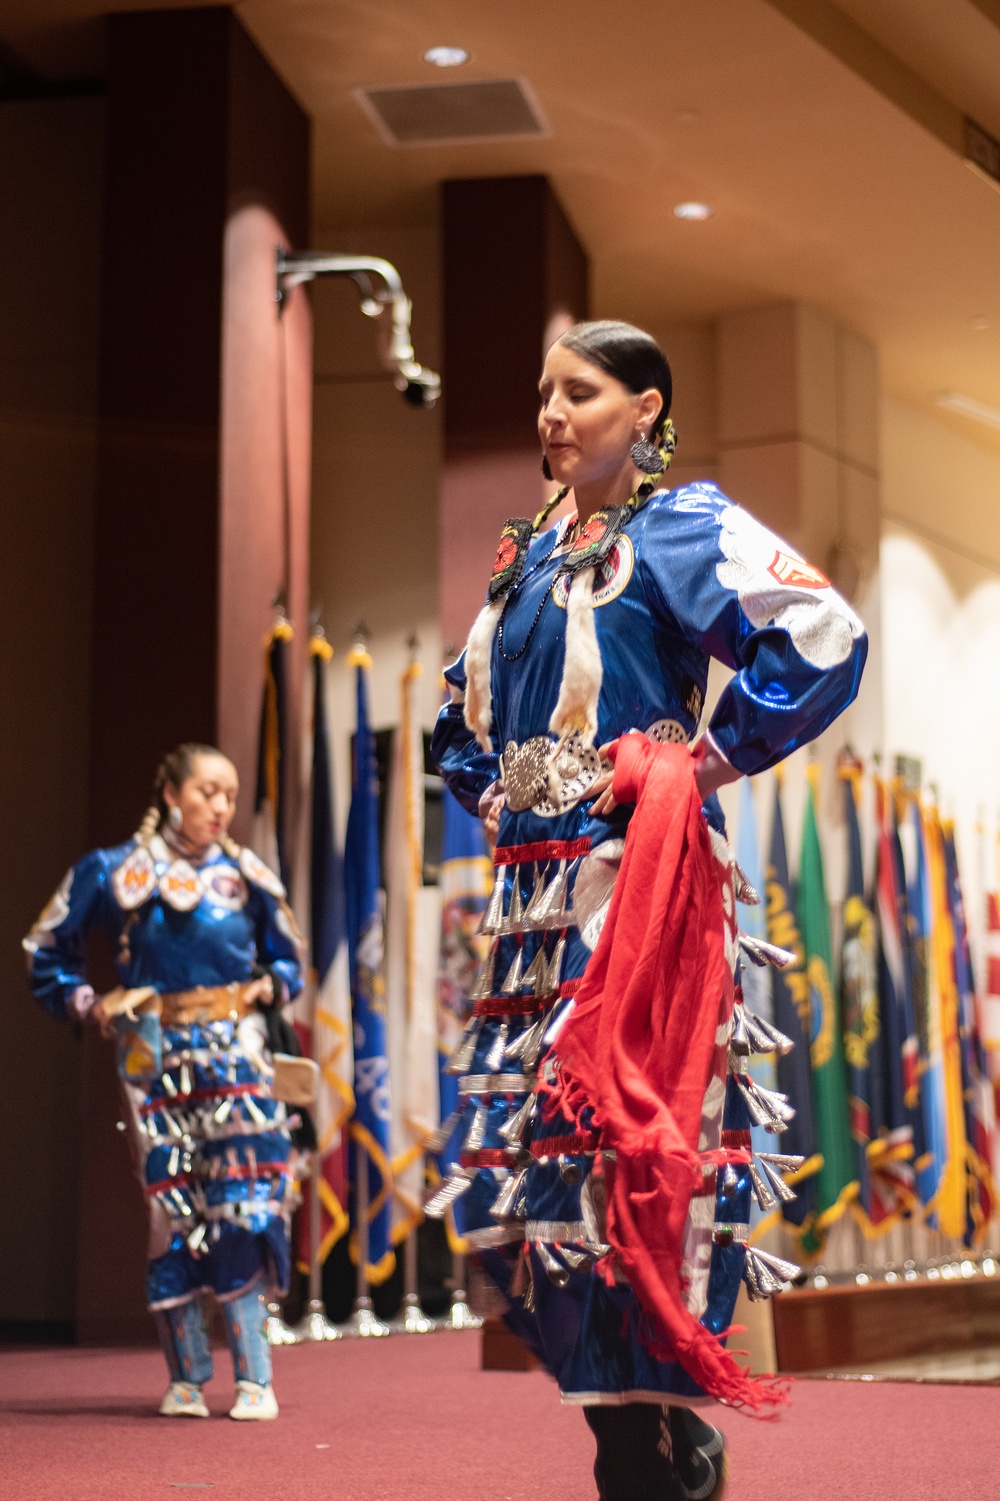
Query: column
point(207, 171)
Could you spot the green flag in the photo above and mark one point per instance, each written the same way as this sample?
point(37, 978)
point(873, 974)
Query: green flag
point(835, 1182)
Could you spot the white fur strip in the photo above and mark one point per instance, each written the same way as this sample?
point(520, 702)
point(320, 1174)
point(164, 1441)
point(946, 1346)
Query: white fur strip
point(478, 668)
point(583, 670)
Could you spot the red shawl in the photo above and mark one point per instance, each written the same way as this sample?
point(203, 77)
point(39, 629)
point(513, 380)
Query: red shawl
point(638, 1047)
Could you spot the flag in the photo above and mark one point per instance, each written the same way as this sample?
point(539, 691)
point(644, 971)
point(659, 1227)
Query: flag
point(330, 1011)
point(412, 927)
point(990, 993)
point(859, 999)
point(790, 996)
point(270, 810)
point(897, 1129)
point(925, 987)
point(977, 1091)
point(755, 980)
point(365, 902)
point(466, 881)
point(951, 1196)
point(836, 1184)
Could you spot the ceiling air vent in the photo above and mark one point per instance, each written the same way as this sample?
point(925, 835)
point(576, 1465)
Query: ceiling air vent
point(435, 114)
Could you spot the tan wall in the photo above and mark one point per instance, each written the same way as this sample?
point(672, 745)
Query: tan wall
point(50, 188)
point(941, 610)
point(375, 478)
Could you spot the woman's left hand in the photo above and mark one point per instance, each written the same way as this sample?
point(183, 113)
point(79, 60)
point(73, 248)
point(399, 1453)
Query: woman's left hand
point(261, 991)
point(603, 803)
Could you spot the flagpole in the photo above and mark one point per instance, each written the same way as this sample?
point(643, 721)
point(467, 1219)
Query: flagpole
point(363, 1322)
point(314, 1326)
point(412, 1320)
point(460, 1315)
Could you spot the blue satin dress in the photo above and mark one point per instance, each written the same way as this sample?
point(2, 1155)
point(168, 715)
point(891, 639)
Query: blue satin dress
point(691, 577)
point(212, 1144)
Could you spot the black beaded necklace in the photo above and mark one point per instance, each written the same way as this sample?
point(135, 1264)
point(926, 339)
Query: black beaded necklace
point(515, 656)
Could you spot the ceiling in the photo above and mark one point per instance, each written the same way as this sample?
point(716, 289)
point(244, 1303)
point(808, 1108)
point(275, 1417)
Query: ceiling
point(822, 188)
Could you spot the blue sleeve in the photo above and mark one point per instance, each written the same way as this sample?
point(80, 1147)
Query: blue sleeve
point(55, 947)
point(743, 595)
point(466, 768)
point(280, 945)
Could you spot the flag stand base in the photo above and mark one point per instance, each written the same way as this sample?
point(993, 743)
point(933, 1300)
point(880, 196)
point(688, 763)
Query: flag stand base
point(363, 1324)
point(276, 1331)
point(460, 1315)
point(413, 1320)
point(314, 1326)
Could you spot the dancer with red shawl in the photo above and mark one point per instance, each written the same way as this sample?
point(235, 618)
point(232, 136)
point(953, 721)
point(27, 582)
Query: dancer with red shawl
point(606, 1171)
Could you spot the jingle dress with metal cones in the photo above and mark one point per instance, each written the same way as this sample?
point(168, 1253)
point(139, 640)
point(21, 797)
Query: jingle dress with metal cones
point(691, 576)
point(211, 1144)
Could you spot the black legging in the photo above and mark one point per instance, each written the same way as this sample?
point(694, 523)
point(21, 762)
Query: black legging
point(646, 1452)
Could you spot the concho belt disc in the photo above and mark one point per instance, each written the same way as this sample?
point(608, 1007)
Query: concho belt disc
point(525, 772)
point(573, 770)
point(668, 732)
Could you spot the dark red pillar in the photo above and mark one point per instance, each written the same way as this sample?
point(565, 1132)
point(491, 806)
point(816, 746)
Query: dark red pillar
point(515, 275)
point(207, 170)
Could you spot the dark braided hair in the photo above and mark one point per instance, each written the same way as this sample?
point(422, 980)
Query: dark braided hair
point(630, 355)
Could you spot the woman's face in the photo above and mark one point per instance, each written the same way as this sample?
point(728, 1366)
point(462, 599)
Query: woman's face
point(206, 799)
point(588, 420)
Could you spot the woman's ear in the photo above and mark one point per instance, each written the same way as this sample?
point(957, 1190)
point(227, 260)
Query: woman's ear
point(170, 795)
point(650, 409)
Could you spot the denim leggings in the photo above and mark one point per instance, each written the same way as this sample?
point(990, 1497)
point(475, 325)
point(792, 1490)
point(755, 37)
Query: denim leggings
point(184, 1343)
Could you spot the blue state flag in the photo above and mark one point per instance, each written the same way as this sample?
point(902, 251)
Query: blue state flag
point(371, 1126)
point(926, 1006)
point(793, 1016)
point(755, 980)
point(466, 880)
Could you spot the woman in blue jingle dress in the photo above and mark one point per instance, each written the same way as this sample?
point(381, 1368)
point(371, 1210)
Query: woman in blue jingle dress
point(602, 625)
point(205, 940)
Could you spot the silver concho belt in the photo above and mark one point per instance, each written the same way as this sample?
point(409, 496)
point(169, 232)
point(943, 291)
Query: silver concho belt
point(546, 780)
point(535, 776)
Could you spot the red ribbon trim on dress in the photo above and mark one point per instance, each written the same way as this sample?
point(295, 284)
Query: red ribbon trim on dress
point(545, 849)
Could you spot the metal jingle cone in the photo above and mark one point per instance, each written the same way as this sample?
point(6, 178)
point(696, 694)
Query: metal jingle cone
point(514, 921)
point(451, 1189)
point(760, 952)
point(494, 1058)
point(774, 1040)
point(553, 900)
point(556, 1022)
point(276, 1331)
point(743, 889)
point(765, 1284)
point(492, 918)
point(509, 1200)
point(555, 965)
point(776, 1182)
point(537, 892)
point(314, 1327)
point(760, 1112)
point(484, 980)
point(512, 984)
point(476, 1134)
point(555, 1270)
point(461, 1059)
point(575, 1258)
point(762, 1189)
point(441, 1137)
point(535, 975)
point(739, 1037)
point(528, 1044)
point(785, 1162)
point(788, 1271)
point(514, 1126)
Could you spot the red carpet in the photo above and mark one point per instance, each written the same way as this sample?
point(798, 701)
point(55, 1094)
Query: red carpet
point(414, 1419)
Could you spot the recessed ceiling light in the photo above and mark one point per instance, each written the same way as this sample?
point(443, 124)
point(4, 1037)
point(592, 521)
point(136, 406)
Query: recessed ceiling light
point(446, 57)
point(687, 114)
point(980, 324)
point(968, 406)
point(693, 211)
